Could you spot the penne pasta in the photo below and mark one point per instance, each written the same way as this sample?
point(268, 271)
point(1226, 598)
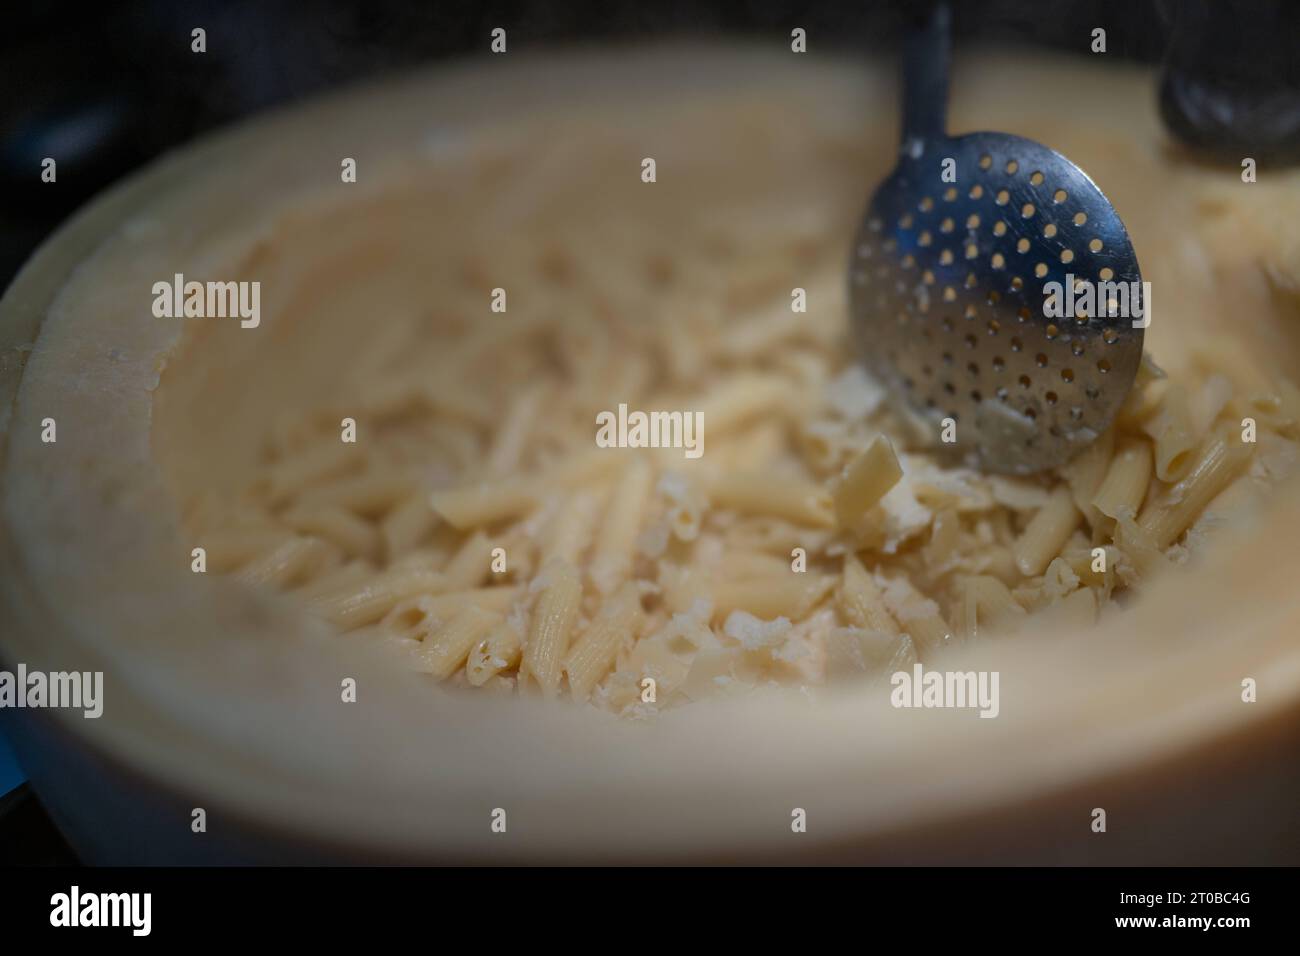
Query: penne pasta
point(485, 503)
point(511, 439)
point(1047, 532)
point(496, 652)
point(1171, 434)
point(744, 399)
point(370, 495)
point(444, 652)
point(1126, 480)
point(228, 549)
point(287, 564)
point(350, 606)
point(328, 460)
point(471, 565)
point(618, 622)
point(789, 595)
point(799, 501)
point(614, 551)
point(992, 603)
point(356, 537)
point(1220, 459)
point(1085, 473)
point(407, 525)
point(554, 617)
point(572, 527)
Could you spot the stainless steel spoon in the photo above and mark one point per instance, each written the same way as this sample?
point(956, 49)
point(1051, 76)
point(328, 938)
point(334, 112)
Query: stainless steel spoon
point(949, 285)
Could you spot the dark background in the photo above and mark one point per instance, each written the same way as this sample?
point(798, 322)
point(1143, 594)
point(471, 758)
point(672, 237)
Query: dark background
point(105, 87)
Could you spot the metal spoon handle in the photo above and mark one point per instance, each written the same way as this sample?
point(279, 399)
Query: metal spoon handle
point(925, 77)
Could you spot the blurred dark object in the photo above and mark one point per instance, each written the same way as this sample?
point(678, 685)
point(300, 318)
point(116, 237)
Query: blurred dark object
point(27, 836)
point(1231, 80)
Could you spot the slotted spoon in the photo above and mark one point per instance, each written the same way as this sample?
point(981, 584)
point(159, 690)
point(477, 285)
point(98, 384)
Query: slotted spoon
point(949, 278)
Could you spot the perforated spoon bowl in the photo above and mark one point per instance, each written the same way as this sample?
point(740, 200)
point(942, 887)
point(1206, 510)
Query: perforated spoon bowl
point(950, 285)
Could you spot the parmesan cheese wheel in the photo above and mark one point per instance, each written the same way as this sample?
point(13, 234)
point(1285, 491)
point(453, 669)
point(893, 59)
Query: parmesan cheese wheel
point(224, 695)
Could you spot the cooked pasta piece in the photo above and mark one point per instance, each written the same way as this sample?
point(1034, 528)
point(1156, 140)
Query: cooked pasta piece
point(357, 537)
point(745, 398)
point(571, 529)
point(1170, 429)
point(1047, 532)
point(992, 603)
point(1126, 481)
point(444, 652)
point(471, 565)
point(350, 606)
point(407, 524)
point(788, 595)
point(287, 564)
point(615, 545)
point(619, 622)
point(497, 652)
point(369, 495)
point(511, 440)
point(1220, 459)
point(326, 461)
point(793, 499)
point(228, 549)
point(1086, 472)
point(554, 617)
point(473, 506)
